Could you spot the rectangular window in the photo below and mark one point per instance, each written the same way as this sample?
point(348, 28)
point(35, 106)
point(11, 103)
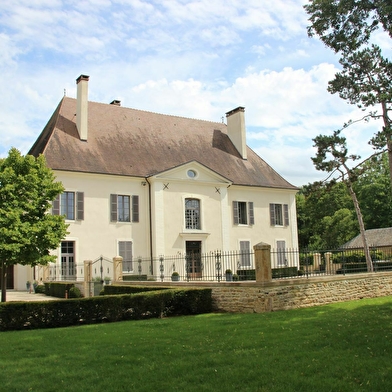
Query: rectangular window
point(125, 251)
point(281, 253)
point(192, 214)
point(243, 213)
point(279, 214)
point(120, 208)
point(69, 204)
point(68, 266)
point(245, 256)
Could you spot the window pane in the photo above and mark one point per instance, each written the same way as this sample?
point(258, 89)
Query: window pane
point(123, 210)
point(278, 215)
point(68, 205)
point(192, 213)
point(242, 215)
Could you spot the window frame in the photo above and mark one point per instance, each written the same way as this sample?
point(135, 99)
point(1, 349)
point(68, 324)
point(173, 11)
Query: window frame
point(279, 214)
point(73, 211)
point(125, 248)
point(195, 215)
point(115, 205)
point(246, 217)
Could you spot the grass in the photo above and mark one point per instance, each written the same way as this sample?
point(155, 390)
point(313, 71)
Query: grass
point(340, 347)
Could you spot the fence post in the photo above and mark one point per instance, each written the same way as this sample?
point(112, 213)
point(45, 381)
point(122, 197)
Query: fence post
point(263, 262)
point(88, 266)
point(328, 263)
point(117, 268)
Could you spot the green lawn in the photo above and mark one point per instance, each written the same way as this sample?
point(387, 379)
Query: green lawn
point(340, 347)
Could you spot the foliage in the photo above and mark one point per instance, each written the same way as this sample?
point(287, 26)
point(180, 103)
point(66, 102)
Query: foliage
point(58, 289)
point(127, 289)
point(74, 292)
point(40, 289)
point(28, 233)
point(51, 314)
point(347, 27)
point(326, 215)
point(338, 347)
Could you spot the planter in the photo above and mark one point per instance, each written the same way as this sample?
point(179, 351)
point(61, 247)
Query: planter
point(175, 278)
point(229, 277)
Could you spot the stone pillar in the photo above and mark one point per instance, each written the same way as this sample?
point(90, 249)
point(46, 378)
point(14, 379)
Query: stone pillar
point(328, 263)
point(263, 262)
point(117, 269)
point(88, 277)
point(316, 261)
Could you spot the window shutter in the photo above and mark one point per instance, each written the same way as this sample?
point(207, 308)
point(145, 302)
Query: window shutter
point(235, 213)
point(80, 205)
point(135, 208)
point(286, 214)
point(113, 208)
point(56, 206)
point(251, 213)
point(272, 214)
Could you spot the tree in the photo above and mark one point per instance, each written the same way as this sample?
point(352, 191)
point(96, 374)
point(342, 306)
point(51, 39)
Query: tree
point(27, 231)
point(319, 204)
point(347, 27)
point(373, 192)
point(331, 157)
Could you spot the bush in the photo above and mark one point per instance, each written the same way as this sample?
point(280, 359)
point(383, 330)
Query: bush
point(246, 274)
point(51, 314)
point(131, 278)
point(74, 292)
point(40, 289)
point(57, 289)
point(285, 272)
point(117, 289)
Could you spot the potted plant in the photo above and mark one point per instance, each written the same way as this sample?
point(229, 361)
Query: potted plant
point(229, 275)
point(35, 284)
point(175, 276)
point(107, 279)
point(28, 285)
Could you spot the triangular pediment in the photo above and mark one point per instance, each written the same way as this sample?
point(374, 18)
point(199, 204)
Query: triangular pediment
point(192, 171)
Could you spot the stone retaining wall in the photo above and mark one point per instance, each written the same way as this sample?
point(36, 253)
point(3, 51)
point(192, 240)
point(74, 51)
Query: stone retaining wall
point(295, 293)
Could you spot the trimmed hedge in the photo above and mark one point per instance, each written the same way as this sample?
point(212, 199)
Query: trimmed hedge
point(131, 278)
point(285, 272)
point(117, 289)
point(57, 289)
point(52, 314)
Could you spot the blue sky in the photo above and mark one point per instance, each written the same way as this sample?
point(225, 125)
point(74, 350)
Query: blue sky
point(189, 58)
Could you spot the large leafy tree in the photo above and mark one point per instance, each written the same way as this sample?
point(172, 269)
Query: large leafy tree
point(27, 231)
point(332, 156)
point(347, 27)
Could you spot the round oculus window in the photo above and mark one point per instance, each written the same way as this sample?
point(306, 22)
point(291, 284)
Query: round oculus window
point(191, 173)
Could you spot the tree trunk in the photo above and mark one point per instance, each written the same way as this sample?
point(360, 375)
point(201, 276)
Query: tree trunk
point(368, 258)
point(3, 278)
point(387, 127)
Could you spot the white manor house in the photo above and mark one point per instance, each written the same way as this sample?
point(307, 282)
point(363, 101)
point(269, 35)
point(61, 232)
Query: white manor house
point(145, 185)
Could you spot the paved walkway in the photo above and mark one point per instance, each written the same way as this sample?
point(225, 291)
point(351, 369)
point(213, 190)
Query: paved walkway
point(24, 296)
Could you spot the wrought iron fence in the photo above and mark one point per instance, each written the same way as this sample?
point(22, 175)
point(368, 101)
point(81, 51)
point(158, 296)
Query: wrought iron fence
point(235, 266)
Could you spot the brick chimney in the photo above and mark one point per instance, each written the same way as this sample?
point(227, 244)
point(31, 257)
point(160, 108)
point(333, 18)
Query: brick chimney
point(236, 129)
point(82, 106)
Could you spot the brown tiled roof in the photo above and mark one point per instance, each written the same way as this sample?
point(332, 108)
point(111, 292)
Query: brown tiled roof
point(374, 237)
point(123, 141)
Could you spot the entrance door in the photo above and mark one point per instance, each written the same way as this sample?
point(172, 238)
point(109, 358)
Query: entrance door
point(68, 268)
point(193, 259)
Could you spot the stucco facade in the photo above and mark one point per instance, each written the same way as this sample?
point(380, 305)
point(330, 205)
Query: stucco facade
point(148, 185)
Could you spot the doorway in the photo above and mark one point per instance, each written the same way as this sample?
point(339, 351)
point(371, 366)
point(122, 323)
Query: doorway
point(68, 268)
point(193, 259)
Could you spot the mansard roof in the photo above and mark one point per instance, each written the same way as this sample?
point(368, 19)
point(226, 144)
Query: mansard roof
point(130, 142)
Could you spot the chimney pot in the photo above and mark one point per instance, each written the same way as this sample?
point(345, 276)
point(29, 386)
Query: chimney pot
point(82, 106)
point(236, 129)
point(116, 102)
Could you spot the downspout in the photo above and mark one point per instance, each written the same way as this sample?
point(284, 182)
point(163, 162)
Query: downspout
point(150, 223)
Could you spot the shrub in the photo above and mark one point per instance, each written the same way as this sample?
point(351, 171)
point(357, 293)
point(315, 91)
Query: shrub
point(50, 314)
point(117, 289)
point(74, 292)
point(57, 289)
point(40, 289)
